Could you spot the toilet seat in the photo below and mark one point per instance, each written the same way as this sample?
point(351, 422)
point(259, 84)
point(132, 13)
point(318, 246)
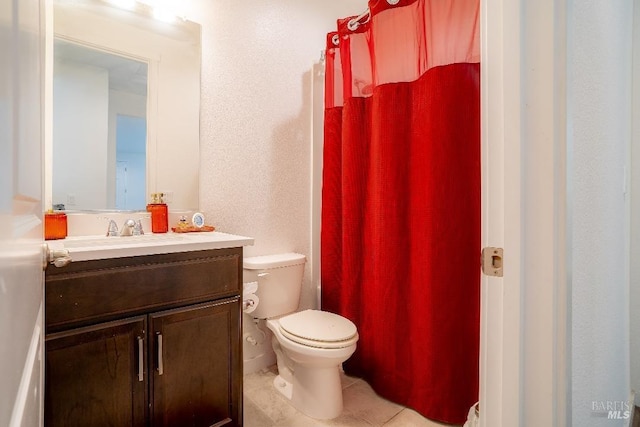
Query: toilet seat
point(321, 329)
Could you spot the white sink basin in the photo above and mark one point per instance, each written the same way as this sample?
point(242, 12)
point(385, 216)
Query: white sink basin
point(85, 248)
point(81, 242)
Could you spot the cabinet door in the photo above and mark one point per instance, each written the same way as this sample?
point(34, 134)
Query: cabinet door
point(197, 377)
point(95, 376)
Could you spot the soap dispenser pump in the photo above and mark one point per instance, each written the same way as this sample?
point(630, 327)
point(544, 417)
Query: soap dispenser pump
point(159, 213)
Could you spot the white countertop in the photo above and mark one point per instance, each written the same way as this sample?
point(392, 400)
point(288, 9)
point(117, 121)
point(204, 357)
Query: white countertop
point(85, 248)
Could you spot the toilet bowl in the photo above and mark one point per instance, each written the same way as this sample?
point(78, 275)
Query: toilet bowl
point(310, 345)
point(308, 365)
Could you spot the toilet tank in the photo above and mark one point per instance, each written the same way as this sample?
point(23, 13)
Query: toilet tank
point(279, 280)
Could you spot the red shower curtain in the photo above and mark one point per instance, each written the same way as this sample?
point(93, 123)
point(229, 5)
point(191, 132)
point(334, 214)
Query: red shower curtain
point(400, 239)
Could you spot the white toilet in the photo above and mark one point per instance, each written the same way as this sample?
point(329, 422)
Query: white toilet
point(310, 345)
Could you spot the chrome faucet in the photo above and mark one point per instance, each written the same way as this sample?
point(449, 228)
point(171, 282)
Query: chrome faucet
point(127, 228)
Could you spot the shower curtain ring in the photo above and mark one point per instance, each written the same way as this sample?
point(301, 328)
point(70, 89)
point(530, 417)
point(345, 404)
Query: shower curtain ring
point(354, 23)
point(335, 40)
point(393, 2)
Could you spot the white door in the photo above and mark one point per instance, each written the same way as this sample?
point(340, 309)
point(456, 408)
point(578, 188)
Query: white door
point(121, 185)
point(524, 318)
point(21, 274)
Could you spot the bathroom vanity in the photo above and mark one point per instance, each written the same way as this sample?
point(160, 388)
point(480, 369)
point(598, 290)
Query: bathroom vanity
point(150, 338)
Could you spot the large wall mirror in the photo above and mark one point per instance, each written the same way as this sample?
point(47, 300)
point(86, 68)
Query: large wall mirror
point(126, 105)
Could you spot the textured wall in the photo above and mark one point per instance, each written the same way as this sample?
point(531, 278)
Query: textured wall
point(599, 84)
point(256, 115)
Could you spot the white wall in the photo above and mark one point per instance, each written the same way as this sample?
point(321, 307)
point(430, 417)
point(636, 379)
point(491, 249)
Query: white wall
point(599, 100)
point(634, 291)
point(255, 169)
point(80, 131)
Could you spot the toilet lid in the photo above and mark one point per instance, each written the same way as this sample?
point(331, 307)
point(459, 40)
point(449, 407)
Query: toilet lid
point(319, 329)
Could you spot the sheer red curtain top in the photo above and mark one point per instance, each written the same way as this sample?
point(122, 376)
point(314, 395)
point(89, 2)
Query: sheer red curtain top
point(333, 94)
point(400, 43)
point(356, 59)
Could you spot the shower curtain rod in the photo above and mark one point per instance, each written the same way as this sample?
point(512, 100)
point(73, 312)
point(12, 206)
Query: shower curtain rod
point(355, 22)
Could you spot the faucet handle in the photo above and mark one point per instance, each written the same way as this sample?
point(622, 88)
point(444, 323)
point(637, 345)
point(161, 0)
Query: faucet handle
point(137, 229)
point(112, 230)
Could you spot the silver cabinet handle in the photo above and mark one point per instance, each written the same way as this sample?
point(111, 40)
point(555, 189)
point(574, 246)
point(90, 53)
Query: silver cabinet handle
point(140, 359)
point(160, 364)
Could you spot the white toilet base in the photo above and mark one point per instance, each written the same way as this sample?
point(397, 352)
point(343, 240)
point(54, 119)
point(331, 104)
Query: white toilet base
point(309, 377)
point(317, 392)
point(283, 386)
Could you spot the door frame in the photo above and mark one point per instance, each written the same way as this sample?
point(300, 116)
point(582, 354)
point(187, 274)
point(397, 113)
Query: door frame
point(525, 315)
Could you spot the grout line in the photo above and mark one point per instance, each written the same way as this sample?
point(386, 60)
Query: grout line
point(395, 416)
point(357, 380)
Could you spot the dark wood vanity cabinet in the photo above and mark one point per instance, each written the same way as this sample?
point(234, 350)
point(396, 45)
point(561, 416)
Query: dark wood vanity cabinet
point(145, 341)
point(183, 360)
point(91, 375)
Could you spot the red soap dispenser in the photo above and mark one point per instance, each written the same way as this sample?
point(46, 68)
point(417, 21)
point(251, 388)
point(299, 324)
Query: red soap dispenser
point(159, 213)
point(55, 225)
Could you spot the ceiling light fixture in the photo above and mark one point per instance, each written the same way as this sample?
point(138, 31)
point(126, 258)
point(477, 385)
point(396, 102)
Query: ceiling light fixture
point(124, 4)
point(164, 14)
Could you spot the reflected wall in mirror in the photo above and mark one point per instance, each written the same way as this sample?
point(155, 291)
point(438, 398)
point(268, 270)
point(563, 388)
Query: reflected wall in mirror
point(126, 105)
point(99, 129)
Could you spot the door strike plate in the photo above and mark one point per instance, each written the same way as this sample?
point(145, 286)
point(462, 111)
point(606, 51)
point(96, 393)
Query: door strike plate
point(492, 261)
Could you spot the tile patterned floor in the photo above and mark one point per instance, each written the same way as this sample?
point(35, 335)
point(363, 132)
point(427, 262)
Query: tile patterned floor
point(265, 407)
